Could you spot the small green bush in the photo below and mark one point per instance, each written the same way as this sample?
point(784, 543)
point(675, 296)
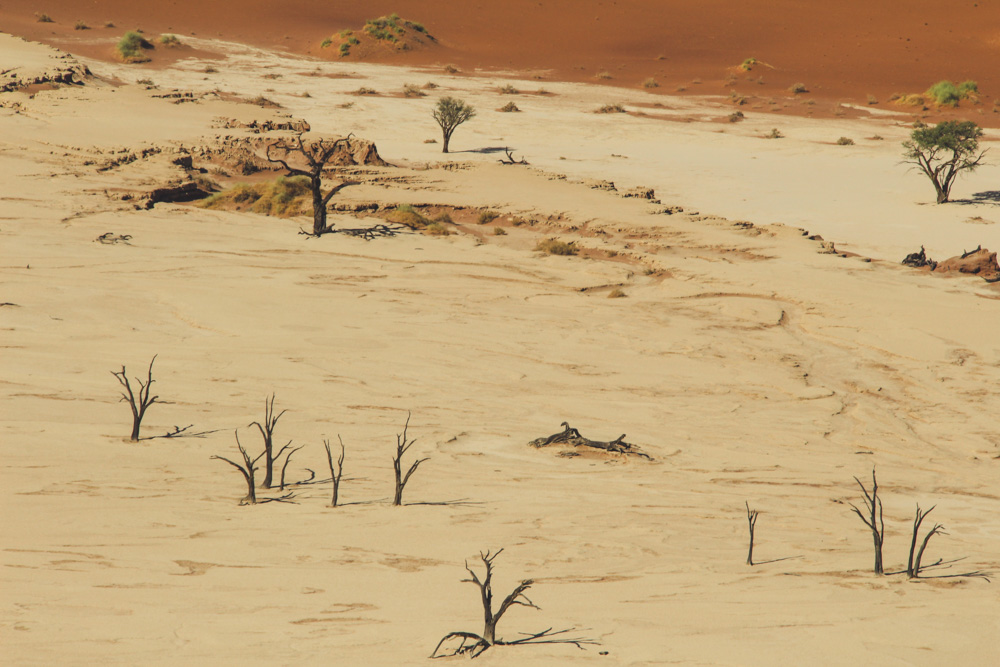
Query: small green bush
point(131, 47)
point(499, 231)
point(556, 247)
point(509, 107)
point(945, 93)
point(169, 40)
point(775, 133)
point(444, 218)
point(437, 229)
point(345, 50)
point(410, 90)
point(326, 43)
point(845, 141)
point(508, 89)
point(406, 215)
point(968, 88)
point(748, 64)
point(284, 197)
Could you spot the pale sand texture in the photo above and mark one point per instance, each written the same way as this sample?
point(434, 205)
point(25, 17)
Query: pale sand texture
point(756, 368)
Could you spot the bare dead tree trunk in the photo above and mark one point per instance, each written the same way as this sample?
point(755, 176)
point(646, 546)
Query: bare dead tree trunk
point(316, 154)
point(288, 458)
point(267, 433)
point(873, 507)
point(335, 473)
point(402, 445)
point(752, 520)
point(247, 469)
point(913, 565)
point(138, 403)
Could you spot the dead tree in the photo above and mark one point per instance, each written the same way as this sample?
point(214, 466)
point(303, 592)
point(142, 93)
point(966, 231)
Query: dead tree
point(402, 445)
point(571, 436)
point(913, 566)
point(317, 154)
point(335, 473)
point(476, 644)
point(248, 470)
point(138, 403)
point(267, 432)
point(752, 520)
point(288, 458)
point(510, 158)
point(873, 508)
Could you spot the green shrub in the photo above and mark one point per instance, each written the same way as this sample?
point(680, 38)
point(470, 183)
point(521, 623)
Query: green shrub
point(437, 229)
point(284, 197)
point(131, 47)
point(509, 107)
point(345, 49)
point(410, 90)
point(748, 64)
point(556, 247)
point(499, 231)
point(326, 43)
point(508, 89)
point(406, 215)
point(945, 93)
point(169, 40)
point(968, 88)
point(444, 218)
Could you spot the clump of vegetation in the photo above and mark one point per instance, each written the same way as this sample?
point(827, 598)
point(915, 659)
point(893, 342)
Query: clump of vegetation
point(872, 99)
point(736, 117)
point(617, 293)
point(284, 197)
point(406, 215)
point(80, 25)
point(451, 69)
point(43, 18)
point(170, 41)
point(798, 88)
point(737, 99)
point(410, 90)
point(210, 70)
point(499, 231)
point(509, 107)
point(603, 75)
point(437, 229)
point(430, 85)
point(946, 93)
point(132, 46)
point(444, 218)
point(391, 28)
point(365, 91)
point(488, 216)
point(775, 133)
point(650, 83)
point(263, 102)
point(612, 108)
point(557, 247)
point(508, 89)
point(109, 24)
point(845, 141)
point(748, 64)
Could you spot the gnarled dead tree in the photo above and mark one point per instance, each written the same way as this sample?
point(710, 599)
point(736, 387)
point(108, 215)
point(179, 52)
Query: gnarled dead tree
point(248, 470)
point(873, 519)
point(267, 433)
point(571, 436)
point(475, 644)
point(402, 445)
point(138, 402)
point(913, 566)
point(316, 154)
point(335, 473)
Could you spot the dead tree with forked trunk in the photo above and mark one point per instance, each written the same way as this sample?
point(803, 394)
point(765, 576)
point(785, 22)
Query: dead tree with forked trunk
point(335, 472)
point(475, 644)
point(267, 433)
point(873, 519)
point(317, 154)
point(138, 402)
point(288, 458)
point(913, 566)
point(248, 469)
point(752, 520)
point(402, 445)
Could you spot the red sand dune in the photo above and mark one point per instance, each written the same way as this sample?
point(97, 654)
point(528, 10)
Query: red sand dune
point(843, 50)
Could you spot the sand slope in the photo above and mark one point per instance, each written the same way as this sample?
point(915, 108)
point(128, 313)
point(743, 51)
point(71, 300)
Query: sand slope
point(749, 363)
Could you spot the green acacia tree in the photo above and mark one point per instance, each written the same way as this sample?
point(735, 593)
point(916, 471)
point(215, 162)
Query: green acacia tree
point(944, 151)
point(449, 114)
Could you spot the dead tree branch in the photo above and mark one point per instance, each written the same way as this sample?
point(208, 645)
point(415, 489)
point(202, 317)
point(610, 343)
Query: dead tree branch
point(335, 473)
point(267, 433)
point(402, 446)
point(281, 486)
point(138, 403)
point(510, 158)
point(248, 469)
point(571, 436)
point(475, 644)
point(873, 508)
point(183, 432)
point(369, 233)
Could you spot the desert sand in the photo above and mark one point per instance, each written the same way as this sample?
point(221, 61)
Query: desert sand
point(751, 360)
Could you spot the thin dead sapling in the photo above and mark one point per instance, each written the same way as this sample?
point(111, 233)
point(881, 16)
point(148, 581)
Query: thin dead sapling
point(335, 472)
point(752, 520)
point(267, 433)
point(402, 446)
point(248, 469)
point(873, 519)
point(138, 402)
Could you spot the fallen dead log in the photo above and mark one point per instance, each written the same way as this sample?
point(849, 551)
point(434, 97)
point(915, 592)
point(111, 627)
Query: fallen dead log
point(572, 437)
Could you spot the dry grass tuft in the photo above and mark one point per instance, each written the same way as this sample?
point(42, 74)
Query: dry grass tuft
point(557, 247)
